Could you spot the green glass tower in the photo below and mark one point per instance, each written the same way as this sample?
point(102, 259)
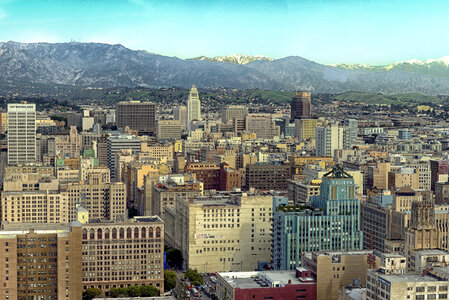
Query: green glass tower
point(331, 223)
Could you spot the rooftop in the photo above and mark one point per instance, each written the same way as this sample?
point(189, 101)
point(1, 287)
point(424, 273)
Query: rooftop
point(263, 279)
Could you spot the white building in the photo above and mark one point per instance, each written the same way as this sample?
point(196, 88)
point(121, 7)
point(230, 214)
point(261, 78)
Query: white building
point(328, 139)
point(193, 106)
point(21, 137)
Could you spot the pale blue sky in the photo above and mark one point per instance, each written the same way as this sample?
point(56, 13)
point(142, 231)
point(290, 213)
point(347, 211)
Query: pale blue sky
point(326, 31)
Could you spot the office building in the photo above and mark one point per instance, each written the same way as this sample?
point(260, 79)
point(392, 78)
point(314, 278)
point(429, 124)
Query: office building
point(123, 253)
point(136, 115)
point(168, 130)
point(328, 139)
point(168, 188)
point(115, 143)
point(207, 173)
point(193, 107)
point(40, 261)
point(305, 129)
point(301, 105)
point(231, 112)
point(266, 176)
point(331, 222)
point(334, 269)
point(262, 125)
point(350, 132)
point(21, 137)
point(223, 232)
point(180, 114)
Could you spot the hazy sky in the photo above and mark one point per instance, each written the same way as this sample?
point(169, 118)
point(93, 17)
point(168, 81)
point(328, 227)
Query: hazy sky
point(326, 31)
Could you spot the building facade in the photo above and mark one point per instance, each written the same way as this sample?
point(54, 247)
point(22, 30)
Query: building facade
point(21, 137)
point(136, 115)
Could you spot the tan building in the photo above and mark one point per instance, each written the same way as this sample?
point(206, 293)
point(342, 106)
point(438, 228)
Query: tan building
point(103, 200)
point(123, 253)
point(305, 128)
point(300, 192)
point(262, 125)
point(403, 177)
point(378, 176)
point(66, 146)
point(46, 171)
point(40, 261)
point(168, 130)
point(226, 232)
point(171, 187)
point(335, 269)
point(160, 152)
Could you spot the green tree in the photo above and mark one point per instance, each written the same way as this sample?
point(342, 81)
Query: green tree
point(148, 291)
point(91, 293)
point(133, 291)
point(169, 280)
point(194, 277)
point(174, 257)
point(118, 292)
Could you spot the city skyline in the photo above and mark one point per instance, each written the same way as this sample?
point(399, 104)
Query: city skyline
point(365, 32)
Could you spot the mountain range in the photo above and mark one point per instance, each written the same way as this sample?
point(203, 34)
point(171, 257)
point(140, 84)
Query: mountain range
point(103, 65)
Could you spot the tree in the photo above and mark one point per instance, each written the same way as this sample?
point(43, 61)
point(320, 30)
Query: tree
point(133, 291)
point(91, 293)
point(118, 292)
point(174, 257)
point(194, 277)
point(148, 291)
point(169, 280)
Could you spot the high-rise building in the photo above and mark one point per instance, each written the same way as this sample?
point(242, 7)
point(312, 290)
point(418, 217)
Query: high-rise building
point(328, 139)
point(262, 125)
point(21, 136)
point(305, 128)
point(136, 115)
point(193, 107)
point(301, 105)
point(233, 112)
point(123, 253)
point(40, 261)
point(332, 222)
point(180, 114)
point(168, 130)
point(350, 133)
point(225, 232)
point(116, 143)
point(265, 176)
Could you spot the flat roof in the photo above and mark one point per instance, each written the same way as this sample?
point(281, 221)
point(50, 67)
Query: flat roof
point(263, 279)
point(409, 277)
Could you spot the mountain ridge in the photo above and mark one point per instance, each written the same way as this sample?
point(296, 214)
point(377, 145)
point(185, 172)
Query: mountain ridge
point(105, 65)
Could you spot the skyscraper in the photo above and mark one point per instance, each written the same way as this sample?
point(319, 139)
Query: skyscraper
point(300, 105)
point(193, 106)
point(328, 139)
point(180, 114)
point(140, 116)
point(332, 223)
point(21, 133)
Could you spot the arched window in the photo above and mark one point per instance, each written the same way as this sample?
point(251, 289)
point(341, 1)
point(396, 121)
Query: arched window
point(114, 233)
point(128, 233)
point(106, 234)
point(122, 233)
point(91, 234)
point(99, 234)
point(151, 232)
point(143, 232)
point(136, 233)
point(84, 234)
point(158, 232)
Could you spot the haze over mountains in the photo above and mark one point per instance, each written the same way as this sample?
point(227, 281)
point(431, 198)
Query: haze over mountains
point(104, 65)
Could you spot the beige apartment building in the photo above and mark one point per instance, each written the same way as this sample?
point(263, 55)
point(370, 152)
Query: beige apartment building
point(335, 269)
point(103, 200)
point(159, 152)
point(168, 130)
point(123, 253)
point(40, 261)
point(226, 232)
point(171, 187)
